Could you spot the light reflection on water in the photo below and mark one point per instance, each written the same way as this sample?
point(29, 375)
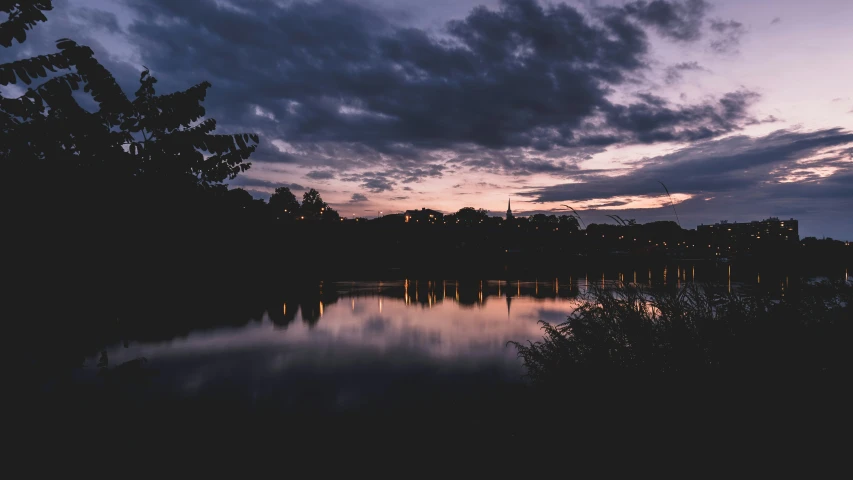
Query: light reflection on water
point(430, 321)
point(353, 333)
point(444, 320)
point(361, 343)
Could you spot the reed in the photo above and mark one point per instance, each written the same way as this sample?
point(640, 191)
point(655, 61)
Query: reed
point(695, 330)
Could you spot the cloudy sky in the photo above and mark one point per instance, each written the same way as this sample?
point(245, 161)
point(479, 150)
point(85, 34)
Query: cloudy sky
point(743, 109)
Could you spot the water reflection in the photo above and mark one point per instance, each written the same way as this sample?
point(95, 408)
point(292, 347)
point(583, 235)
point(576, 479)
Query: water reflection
point(383, 331)
point(390, 328)
point(454, 314)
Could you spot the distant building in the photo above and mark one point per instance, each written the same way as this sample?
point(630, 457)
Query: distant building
point(730, 238)
point(424, 215)
point(509, 210)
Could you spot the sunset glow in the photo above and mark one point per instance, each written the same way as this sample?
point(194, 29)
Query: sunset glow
point(402, 104)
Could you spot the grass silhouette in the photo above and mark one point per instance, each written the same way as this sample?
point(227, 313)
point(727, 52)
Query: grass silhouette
point(697, 330)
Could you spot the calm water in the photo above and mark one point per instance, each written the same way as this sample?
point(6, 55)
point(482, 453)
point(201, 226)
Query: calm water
point(345, 344)
point(359, 342)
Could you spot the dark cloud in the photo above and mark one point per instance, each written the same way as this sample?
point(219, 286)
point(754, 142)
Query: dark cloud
point(375, 182)
point(490, 185)
point(611, 203)
point(674, 72)
point(654, 120)
point(556, 161)
point(85, 26)
point(247, 181)
point(736, 178)
point(409, 172)
point(767, 119)
point(524, 75)
point(377, 185)
point(727, 35)
point(775, 21)
point(97, 19)
point(320, 174)
point(349, 90)
point(524, 88)
point(675, 20)
point(734, 164)
point(397, 199)
point(517, 165)
point(357, 198)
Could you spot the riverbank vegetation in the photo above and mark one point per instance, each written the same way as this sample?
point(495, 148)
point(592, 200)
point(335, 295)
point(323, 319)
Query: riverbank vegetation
point(696, 332)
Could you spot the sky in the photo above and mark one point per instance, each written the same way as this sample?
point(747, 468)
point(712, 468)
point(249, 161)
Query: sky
point(743, 109)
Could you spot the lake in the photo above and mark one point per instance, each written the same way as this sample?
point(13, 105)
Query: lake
point(343, 345)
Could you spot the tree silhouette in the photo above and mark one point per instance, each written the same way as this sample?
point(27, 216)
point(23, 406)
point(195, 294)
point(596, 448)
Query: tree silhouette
point(283, 203)
point(113, 173)
point(469, 216)
point(240, 197)
point(541, 218)
point(172, 144)
point(331, 215)
point(569, 222)
point(23, 15)
point(157, 138)
point(313, 205)
point(314, 208)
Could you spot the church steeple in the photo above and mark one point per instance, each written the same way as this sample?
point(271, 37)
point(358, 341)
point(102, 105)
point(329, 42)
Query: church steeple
point(509, 209)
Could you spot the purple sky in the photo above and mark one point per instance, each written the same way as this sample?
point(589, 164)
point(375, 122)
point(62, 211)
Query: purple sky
point(744, 109)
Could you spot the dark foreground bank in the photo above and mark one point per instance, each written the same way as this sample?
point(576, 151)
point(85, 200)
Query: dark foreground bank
point(630, 379)
point(627, 424)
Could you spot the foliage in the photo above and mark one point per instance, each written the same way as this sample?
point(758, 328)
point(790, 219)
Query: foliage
point(541, 218)
point(569, 222)
point(331, 215)
point(312, 203)
point(162, 138)
point(113, 173)
point(694, 330)
point(48, 133)
point(283, 203)
point(23, 15)
point(468, 216)
point(314, 208)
